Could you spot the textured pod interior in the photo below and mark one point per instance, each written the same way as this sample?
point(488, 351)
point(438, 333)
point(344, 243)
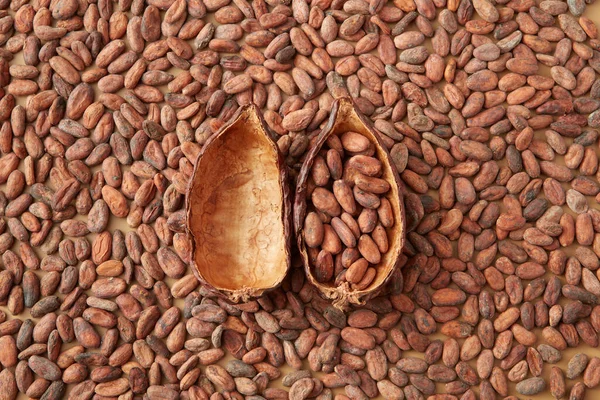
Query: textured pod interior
point(236, 209)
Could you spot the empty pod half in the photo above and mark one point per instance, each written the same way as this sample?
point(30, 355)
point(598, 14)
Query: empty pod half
point(239, 210)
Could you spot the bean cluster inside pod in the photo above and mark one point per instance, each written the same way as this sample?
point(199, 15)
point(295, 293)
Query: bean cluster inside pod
point(345, 118)
point(239, 210)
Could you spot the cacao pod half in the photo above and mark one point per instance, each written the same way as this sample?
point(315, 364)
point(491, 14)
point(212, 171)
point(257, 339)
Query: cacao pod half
point(239, 210)
point(369, 179)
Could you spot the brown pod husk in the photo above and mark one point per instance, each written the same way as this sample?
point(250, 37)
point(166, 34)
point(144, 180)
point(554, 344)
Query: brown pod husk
point(346, 117)
point(239, 210)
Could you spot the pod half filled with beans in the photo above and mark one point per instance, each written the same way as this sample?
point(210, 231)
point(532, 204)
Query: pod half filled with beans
point(348, 215)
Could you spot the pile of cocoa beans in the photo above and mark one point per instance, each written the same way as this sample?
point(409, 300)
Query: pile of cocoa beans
point(351, 239)
point(489, 109)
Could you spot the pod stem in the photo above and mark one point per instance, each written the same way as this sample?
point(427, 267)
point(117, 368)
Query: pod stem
point(343, 296)
point(244, 295)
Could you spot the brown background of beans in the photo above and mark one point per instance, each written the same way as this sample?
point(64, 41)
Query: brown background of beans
point(593, 12)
